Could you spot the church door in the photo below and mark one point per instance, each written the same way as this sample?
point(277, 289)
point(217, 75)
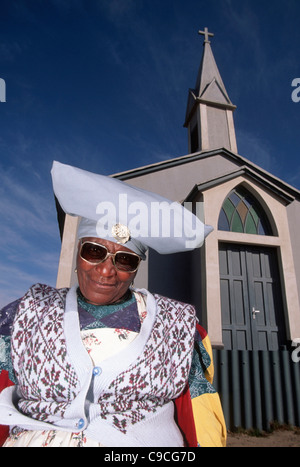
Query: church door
point(251, 299)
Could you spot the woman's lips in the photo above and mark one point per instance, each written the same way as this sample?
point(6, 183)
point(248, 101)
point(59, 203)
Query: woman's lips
point(104, 284)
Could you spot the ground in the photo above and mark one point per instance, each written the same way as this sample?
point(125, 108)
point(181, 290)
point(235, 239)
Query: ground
point(282, 437)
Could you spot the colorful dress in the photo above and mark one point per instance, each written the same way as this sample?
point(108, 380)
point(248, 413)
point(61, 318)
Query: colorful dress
point(106, 332)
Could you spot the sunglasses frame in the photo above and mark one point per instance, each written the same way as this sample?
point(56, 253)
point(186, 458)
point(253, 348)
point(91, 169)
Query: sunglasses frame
point(108, 254)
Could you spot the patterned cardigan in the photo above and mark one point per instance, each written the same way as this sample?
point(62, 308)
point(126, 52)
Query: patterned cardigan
point(198, 411)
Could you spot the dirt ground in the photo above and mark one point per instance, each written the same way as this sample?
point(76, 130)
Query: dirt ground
point(279, 438)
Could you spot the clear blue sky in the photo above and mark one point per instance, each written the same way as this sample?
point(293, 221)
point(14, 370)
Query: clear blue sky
point(103, 85)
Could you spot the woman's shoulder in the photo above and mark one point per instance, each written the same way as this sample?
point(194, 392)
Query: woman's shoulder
point(37, 291)
point(43, 293)
point(165, 301)
point(167, 305)
point(44, 290)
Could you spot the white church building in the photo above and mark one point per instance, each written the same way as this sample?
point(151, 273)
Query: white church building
point(245, 280)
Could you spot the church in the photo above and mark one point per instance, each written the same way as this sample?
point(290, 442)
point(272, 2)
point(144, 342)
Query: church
point(245, 280)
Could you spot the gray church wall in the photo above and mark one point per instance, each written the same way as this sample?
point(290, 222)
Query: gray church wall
point(176, 182)
point(293, 212)
point(218, 133)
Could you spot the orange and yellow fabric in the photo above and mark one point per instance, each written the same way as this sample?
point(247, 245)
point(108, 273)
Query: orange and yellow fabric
point(199, 411)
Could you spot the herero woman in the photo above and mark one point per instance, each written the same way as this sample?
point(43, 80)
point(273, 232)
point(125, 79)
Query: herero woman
point(102, 363)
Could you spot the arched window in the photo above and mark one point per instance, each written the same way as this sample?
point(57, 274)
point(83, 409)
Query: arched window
point(241, 212)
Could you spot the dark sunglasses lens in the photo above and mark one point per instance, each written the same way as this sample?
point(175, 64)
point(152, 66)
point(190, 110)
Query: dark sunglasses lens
point(93, 253)
point(126, 261)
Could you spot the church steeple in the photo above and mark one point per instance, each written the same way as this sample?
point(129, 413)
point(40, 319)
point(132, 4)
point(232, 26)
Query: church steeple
point(209, 115)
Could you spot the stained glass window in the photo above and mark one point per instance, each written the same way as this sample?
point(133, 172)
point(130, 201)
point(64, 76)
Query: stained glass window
point(241, 212)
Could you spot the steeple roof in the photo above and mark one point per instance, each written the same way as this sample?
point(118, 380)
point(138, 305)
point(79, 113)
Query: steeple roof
point(209, 87)
point(209, 84)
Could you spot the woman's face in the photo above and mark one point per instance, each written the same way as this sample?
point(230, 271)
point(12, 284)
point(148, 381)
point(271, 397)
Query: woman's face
point(102, 284)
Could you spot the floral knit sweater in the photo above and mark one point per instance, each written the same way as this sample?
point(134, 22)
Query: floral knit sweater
point(134, 394)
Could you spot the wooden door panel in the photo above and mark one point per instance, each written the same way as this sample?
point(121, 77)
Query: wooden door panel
point(251, 299)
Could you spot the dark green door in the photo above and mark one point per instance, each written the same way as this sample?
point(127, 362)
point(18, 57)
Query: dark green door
point(251, 299)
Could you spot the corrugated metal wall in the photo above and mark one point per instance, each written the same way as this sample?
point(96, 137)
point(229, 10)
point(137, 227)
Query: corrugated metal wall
point(258, 388)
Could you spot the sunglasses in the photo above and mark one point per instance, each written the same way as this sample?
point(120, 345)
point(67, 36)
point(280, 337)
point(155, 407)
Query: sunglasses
point(95, 253)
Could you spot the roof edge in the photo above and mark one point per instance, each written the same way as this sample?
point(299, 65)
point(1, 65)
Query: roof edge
point(242, 161)
point(241, 171)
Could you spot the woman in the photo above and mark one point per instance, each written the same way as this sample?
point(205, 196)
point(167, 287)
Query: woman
point(103, 364)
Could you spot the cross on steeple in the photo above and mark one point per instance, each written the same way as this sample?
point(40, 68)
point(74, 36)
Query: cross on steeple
point(206, 34)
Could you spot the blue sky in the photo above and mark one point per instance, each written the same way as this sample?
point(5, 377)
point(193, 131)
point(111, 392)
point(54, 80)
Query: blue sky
point(103, 85)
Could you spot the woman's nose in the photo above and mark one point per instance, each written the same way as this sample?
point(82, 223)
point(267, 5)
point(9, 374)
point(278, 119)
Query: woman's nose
point(107, 268)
